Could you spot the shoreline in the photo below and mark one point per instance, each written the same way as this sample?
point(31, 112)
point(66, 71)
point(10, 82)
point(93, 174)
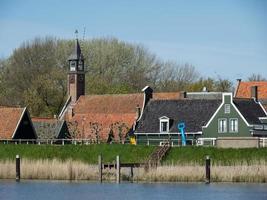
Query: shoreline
point(126, 182)
point(70, 170)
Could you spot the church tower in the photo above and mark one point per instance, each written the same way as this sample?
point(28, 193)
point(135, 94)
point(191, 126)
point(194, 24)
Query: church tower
point(76, 74)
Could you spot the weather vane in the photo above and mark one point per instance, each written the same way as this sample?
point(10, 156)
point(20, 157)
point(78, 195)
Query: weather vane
point(76, 33)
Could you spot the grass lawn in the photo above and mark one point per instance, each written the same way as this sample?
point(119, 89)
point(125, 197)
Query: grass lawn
point(131, 153)
point(86, 153)
point(219, 156)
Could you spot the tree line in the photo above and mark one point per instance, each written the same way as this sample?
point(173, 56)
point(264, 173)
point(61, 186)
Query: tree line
point(35, 75)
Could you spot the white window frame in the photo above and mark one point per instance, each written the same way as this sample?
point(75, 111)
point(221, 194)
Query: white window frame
point(219, 129)
point(230, 125)
point(164, 119)
point(227, 108)
point(73, 65)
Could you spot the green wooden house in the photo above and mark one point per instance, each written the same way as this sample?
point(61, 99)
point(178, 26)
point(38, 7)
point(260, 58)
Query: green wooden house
point(236, 120)
point(208, 121)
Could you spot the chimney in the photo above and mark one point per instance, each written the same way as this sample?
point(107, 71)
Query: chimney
point(148, 93)
point(138, 112)
point(254, 92)
point(183, 95)
point(237, 87)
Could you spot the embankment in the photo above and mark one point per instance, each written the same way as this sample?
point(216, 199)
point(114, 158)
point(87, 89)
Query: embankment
point(79, 162)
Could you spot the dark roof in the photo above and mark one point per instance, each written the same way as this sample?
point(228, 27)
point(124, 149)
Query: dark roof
point(250, 110)
point(77, 52)
point(49, 129)
point(195, 113)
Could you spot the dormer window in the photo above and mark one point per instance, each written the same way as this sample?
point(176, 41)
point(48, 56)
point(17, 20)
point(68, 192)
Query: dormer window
point(164, 124)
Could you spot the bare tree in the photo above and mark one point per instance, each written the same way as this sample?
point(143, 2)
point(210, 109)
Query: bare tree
point(120, 129)
point(175, 77)
point(256, 77)
point(95, 129)
point(73, 130)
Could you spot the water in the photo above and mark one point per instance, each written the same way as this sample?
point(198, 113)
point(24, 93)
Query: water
point(50, 190)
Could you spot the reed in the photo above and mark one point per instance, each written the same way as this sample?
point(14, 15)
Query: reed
point(49, 169)
point(55, 169)
point(195, 173)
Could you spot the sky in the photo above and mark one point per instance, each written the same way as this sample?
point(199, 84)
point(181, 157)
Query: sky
point(226, 39)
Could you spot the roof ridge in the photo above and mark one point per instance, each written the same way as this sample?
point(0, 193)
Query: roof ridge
point(13, 106)
point(242, 98)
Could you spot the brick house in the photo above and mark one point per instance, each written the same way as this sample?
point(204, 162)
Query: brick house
point(252, 89)
point(102, 114)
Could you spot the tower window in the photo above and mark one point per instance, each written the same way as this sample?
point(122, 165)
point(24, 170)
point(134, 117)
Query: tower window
point(72, 66)
point(80, 66)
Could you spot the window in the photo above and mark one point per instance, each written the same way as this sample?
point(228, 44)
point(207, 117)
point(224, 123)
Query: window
point(233, 125)
point(164, 124)
point(80, 66)
point(72, 65)
point(227, 108)
point(222, 125)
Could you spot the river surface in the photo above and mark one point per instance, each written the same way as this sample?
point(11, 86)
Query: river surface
point(59, 190)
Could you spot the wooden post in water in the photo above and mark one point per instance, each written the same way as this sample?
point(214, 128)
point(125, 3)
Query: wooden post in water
point(17, 168)
point(100, 167)
point(132, 174)
point(207, 169)
point(118, 169)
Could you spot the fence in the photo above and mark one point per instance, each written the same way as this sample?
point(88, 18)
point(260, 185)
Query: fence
point(161, 142)
point(50, 141)
point(262, 142)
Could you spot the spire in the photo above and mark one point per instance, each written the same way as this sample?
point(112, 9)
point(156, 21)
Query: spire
point(77, 52)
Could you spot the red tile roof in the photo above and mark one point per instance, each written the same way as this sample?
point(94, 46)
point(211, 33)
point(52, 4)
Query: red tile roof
point(244, 89)
point(121, 103)
point(109, 109)
point(9, 119)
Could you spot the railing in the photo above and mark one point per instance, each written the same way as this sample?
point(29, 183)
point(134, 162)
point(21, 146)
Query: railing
point(161, 142)
point(262, 142)
point(49, 141)
point(201, 141)
point(157, 155)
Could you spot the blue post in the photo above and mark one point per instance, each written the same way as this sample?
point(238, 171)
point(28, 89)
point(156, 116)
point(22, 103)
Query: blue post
point(181, 127)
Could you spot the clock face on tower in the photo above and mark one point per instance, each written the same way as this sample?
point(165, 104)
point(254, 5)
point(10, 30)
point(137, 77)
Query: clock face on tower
point(72, 78)
point(81, 78)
